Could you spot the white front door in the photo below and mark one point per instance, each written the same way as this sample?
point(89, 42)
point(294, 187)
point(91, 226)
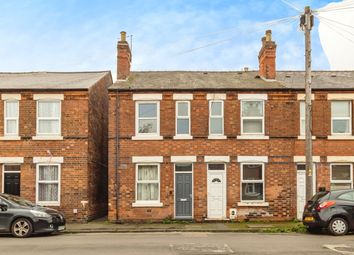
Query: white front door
point(216, 192)
point(301, 188)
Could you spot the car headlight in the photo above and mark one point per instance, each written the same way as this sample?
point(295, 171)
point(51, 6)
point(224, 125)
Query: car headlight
point(40, 214)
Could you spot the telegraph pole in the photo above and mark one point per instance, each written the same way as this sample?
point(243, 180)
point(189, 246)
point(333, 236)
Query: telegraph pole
point(306, 23)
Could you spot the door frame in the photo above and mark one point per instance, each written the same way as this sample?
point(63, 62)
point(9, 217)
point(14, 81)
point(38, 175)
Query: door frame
point(174, 189)
point(3, 175)
point(314, 182)
point(224, 191)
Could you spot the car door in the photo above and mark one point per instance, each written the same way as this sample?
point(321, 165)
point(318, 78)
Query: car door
point(346, 201)
point(5, 217)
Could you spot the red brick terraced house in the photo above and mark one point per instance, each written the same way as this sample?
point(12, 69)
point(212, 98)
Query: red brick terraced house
point(224, 145)
point(53, 140)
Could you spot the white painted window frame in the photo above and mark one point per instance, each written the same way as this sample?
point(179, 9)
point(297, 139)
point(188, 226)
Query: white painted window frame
point(302, 118)
point(342, 181)
point(216, 116)
point(137, 118)
point(183, 117)
point(147, 202)
point(11, 118)
point(48, 203)
point(252, 181)
point(49, 118)
point(252, 118)
point(4, 172)
point(342, 118)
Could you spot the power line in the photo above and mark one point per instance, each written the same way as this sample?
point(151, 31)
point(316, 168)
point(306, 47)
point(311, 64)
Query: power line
point(291, 5)
point(342, 5)
point(330, 26)
point(340, 23)
point(336, 9)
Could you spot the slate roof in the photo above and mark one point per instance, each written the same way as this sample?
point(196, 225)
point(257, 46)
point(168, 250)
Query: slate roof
point(50, 80)
point(188, 80)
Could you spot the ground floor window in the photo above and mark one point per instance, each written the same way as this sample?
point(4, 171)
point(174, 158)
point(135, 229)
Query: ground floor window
point(48, 184)
point(341, 176)
point(148, 183)
point(252, 182)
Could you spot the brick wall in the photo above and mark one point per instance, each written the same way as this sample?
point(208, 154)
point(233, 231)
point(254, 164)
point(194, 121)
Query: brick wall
point(281, 125)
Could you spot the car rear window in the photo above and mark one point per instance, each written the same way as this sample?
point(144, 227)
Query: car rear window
point(319, 195)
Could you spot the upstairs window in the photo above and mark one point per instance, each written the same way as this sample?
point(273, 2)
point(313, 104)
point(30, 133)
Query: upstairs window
point(252, 115)
point(48, 117)
point(341, 117)
point(182, 118)
point(11, 115)
point(147, 121)
point(302, 118)
point(216, 117)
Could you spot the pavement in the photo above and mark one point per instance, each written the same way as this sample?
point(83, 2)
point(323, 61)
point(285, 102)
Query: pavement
point(102, 226)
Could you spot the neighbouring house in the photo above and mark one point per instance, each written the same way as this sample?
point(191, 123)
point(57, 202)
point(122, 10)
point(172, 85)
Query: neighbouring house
point(224, 145)
point(53, 140)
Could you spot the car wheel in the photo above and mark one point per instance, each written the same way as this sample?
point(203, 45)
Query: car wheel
point(21, 228)
point(338, 226)
point(314, 230)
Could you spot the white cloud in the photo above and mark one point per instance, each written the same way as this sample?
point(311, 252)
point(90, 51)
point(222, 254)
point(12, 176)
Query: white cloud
point(337, 39)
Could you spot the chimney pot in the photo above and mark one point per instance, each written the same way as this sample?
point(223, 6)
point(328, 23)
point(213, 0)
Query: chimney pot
point(269, 35)
point(123, 36)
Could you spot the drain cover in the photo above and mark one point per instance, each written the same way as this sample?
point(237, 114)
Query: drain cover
point(196, 249)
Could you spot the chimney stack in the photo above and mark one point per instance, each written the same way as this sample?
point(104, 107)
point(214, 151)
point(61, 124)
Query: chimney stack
point(267, 56)
point(124, 57)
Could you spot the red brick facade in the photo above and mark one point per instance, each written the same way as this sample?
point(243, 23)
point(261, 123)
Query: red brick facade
point(282, 125)
point(83, 148)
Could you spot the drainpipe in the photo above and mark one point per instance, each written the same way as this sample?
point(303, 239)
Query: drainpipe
point(117, 157)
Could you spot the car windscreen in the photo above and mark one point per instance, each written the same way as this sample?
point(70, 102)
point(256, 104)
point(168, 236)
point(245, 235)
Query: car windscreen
point(19, 201)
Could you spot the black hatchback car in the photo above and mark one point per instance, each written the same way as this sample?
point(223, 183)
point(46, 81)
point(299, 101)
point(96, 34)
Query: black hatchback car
point(22, 218)
point(332, 210)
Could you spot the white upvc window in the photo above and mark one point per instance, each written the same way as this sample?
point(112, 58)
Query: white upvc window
point(147, 184)
point(252, 182)
point(183, 119)
point(11, 117)
point(341, 176)
point(302, 118)
point(252, 117)
point(147, 120)
point(216, 117)
point(341, 112)
point(48, 117)
point(48, 184)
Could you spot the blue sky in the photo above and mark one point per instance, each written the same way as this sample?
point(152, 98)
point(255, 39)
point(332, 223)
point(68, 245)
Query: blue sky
point(81, 35)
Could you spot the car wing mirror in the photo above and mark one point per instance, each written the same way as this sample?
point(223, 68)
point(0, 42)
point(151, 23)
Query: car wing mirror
point(3, 207)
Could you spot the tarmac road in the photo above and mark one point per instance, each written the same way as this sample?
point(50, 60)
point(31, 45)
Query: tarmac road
point(177, 244)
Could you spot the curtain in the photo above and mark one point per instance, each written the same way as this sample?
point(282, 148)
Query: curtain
point(48, 191)
point(49, 109)
point(12, 109)
point(252, 109)
point(147, 186)
point(48, 127)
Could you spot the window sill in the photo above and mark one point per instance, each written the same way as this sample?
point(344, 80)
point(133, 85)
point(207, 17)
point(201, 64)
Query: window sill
point(217, 137)
point(302, 137)
point(48, 203)
point(152, 204)
point(340, 137)
point(254, 204)
point(182, 137)
point(47, 138)
point(144, 138)
point(10, 138)
point(252, 137)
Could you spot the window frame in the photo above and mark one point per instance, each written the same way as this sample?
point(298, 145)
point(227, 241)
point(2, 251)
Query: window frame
point(183, 117)
point(11, 118)
point(147, 202)
point(342, 181)
point(59, 119)
point(253, 181)
point(342, 118)
point(217, 116)
point(137, 134)
point(48, 203)
point(302, 127)
point(252, 118)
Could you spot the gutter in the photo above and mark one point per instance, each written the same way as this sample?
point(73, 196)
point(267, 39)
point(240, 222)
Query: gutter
point(117, 156)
